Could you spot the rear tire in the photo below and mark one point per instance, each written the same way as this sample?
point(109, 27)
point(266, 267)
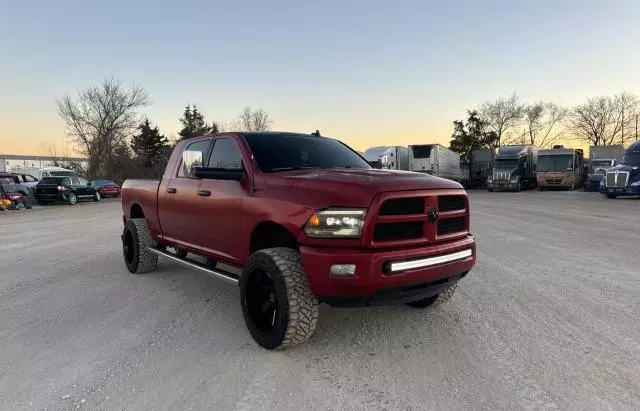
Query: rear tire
point(27, 203)
point(73, 199)
point(435, 300)
point(136, 238)
point(277, 305)
point(97, 197)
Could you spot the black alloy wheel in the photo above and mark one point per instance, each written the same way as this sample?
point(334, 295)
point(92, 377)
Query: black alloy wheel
point(262, 301)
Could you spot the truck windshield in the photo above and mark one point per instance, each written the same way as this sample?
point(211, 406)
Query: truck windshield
point(509, 163)
point(555, 163)
point(282, 152)
point(600, 163)
point(632, 159)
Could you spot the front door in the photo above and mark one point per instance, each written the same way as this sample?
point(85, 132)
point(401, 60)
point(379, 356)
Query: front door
point(220, 202)
point(177, 199)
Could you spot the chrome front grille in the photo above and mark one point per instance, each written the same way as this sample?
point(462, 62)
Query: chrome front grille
point(617, 179)
point(502, 176)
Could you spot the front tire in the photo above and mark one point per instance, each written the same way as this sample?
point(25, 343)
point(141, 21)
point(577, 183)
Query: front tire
point(277, 305)
point(73, 199)
point(435, 300)
point(136, 238)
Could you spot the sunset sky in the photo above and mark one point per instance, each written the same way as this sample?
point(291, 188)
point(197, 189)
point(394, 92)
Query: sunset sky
point(367, 72)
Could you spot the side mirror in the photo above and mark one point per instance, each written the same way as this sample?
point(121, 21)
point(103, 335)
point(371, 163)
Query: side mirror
point(219, 173)
point(190, 160)
point(89, 183)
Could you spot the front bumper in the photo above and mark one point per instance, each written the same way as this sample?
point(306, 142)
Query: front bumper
point(502, 186)
point(629, 191)
point(372, 282)
point(592, 185)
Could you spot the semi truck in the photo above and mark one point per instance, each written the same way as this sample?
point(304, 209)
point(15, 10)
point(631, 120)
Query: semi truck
point(623, 180)
point(395, 158)
point(372, 155)
point(435, 159)
point(482, 160)
point(560, 168)
point(295, 220)
point(514, 168)
point(601, 158)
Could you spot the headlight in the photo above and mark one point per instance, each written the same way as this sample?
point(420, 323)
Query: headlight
point(336, 222)
point(514, 179)
point(490, 179)
point(637, 183)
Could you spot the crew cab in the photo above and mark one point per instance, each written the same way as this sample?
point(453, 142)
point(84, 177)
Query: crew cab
point(304, 220)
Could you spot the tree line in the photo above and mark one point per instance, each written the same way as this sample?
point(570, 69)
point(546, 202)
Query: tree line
point(104, 124)
point(598, 121)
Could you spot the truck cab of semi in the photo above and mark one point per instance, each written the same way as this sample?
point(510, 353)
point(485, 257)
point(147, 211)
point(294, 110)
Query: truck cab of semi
point(514, 168)
point(623, 180)
point(597, 169)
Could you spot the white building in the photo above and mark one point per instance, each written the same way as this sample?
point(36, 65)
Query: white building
point(16, 163)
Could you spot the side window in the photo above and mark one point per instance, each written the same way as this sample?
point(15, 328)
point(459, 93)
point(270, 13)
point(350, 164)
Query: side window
point(83, 181)
point(226, 154)
point(75, 181)
point(67, 181)
point(30, 179)
point(201, 146)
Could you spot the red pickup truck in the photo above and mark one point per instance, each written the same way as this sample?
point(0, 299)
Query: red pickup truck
point(305, 220)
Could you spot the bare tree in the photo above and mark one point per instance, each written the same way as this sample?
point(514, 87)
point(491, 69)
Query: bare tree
point(543, 124)
point(255, 120)
point(64, 160)
point(502, 115)
point(100, 119)
point(604, 120)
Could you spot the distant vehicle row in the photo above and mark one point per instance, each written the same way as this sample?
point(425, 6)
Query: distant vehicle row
point(55, 185)
point(610, 170)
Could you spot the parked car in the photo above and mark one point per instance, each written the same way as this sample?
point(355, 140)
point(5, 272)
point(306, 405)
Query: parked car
point(68, 190)
point(306, 220)
point(107, 188)
point(12, 191)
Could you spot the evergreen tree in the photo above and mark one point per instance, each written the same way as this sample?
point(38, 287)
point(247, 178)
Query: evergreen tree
point(149, 146)
point(472, 135)
point(193, 124)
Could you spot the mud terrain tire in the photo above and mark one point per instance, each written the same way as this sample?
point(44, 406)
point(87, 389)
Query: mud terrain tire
point(436, 300)
point(135, 240)
point(277, 305)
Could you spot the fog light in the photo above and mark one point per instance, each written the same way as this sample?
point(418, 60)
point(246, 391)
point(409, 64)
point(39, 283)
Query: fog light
point(343, 270)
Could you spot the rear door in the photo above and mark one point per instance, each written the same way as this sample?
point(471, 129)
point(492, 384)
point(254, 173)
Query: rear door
point(178, 197)
point(84, 187)
point(220, 201)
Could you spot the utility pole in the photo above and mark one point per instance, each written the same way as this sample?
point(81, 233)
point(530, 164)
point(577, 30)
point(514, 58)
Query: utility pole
point(623, 124)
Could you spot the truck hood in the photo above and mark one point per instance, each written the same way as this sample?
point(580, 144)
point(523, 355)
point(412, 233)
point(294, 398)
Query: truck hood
point(624, 167)
point(353, 187)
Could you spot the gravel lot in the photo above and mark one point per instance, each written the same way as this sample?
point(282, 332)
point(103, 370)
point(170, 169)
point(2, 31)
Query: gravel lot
point(549, 318)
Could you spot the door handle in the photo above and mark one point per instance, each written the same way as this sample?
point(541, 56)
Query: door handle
point(171, 190)
point(204, 193)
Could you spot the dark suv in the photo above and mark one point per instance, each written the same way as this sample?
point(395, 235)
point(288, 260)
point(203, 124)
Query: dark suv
point(68, 190)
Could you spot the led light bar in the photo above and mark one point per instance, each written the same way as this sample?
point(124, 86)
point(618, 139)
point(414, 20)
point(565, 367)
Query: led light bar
point(427, 262)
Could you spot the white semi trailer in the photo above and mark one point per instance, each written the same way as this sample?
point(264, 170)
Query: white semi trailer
point(435, 159)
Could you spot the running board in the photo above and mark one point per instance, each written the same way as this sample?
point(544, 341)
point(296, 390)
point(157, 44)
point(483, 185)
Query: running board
point(217, 274)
